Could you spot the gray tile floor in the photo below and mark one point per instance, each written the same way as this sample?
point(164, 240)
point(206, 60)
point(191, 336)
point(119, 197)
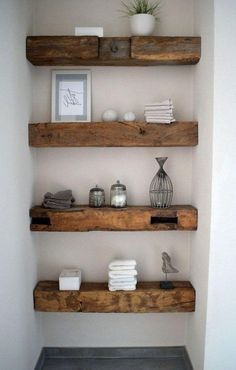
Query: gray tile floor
point(114, 364)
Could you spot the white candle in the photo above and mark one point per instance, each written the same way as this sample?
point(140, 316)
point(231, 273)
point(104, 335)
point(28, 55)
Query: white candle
point(118, 200)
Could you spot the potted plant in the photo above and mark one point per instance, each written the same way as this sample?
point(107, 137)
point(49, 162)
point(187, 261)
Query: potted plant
point(143, 15)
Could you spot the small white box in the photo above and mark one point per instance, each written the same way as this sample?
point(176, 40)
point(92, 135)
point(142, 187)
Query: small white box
point(89, 31)
point(70, 279)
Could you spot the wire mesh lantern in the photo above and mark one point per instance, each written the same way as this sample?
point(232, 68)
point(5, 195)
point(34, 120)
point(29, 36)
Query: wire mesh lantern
point(161, 188)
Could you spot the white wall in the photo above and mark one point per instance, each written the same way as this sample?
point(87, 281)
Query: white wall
point(221, 324)
point(212, 245)
point(20, 334)
point(81, 168)
point(202, 177)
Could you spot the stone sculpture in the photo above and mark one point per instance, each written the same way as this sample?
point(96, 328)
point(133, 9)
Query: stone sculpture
point(167, 268)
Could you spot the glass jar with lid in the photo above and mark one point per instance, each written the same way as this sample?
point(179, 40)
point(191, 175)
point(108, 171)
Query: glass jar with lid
point(118, 195)
point(96, 197)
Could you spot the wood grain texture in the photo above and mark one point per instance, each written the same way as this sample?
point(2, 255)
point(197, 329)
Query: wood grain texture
point(61, 50)
point(112, 51)
point(167, 50)
point(135, 218)
point(113, 134)
point(95, 297)
point(114, 48)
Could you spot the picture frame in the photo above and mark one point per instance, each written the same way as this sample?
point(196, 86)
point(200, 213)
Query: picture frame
point(71, 96)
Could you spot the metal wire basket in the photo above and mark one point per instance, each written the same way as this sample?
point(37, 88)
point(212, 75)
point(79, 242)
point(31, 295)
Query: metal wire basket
point(161, 188)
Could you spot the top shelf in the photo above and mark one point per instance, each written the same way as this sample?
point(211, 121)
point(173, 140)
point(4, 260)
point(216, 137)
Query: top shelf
point(112, 51)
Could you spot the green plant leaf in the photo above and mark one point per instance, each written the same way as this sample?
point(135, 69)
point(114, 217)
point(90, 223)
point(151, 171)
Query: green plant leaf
point(141, 7)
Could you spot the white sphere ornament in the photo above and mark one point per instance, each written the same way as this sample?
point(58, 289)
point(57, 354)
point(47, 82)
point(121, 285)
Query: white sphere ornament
point(129, 117)
point(109, 115)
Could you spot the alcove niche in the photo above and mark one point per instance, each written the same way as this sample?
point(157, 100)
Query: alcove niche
point(123, 89)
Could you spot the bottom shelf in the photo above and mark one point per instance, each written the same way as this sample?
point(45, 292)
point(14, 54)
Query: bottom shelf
point(95, 297)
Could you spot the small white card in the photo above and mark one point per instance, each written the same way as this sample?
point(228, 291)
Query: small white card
point(89, 31)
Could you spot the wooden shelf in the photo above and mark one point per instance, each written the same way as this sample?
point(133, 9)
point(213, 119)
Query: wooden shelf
point(136, 218)
point(113, 51)
point(95, 297)
point(113, 134)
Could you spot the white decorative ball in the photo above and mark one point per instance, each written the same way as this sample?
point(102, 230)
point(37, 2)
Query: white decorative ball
point(110, 115)
point(129, 117)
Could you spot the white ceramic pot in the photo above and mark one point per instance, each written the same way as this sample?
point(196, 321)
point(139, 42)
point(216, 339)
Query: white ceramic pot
point(142, 24)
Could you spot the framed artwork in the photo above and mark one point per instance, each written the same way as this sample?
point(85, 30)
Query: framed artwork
point(71, 96)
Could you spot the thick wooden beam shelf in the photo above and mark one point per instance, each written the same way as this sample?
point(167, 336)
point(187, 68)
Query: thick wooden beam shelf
point(135, 218)
point(113, 134)
point(95, 297)
point(112, 51)
point(61, 50)
point(166, 50)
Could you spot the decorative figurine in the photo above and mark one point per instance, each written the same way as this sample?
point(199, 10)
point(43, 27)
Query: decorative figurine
point(167, 268)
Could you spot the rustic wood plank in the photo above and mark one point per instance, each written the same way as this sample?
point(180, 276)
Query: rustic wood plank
point(61, 50)
point(113, 134)
point(112, 51)
point(167, 50)
point(114, 48)
point(135, 218)
point(95, 297)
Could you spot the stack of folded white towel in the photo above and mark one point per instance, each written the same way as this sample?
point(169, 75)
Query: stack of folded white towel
point(159, 112)
point(122, 275)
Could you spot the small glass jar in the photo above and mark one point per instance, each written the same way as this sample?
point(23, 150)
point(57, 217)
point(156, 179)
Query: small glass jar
point(96, 197)
point(118, 195)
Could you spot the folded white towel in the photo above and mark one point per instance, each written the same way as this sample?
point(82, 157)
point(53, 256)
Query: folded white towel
point(164, 116)
point(118, 282)
point(163, 108)
point(155, 120)
point(165, 102)
point(116, 263)
point(128, 287)
point(129, 280)
point(121, 268)
point(159, 112)
point(125, 273)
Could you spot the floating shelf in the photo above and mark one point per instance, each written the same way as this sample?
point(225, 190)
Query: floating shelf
point(136, 218)
point(113, 134)
point(95, 297)
point(112, 51)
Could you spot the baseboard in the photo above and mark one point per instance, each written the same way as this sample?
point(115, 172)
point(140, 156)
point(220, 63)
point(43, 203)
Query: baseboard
point(187, 360)
point(118, 352)
point(41, 360)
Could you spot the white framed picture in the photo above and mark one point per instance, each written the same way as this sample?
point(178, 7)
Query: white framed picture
point(71, 96)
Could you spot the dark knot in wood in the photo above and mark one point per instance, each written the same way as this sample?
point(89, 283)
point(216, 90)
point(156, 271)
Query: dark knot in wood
point(47, 136)
point(114, 47)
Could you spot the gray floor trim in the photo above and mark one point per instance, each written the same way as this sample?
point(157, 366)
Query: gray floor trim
point(51, 354)
point(187, 360)
point(41, 360)
point(118, 352)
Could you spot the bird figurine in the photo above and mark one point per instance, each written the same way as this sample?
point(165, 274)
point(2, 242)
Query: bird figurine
point(167, 268)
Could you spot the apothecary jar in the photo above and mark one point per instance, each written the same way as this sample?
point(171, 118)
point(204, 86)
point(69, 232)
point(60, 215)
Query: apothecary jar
point(118, 195)
point(96, 197)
